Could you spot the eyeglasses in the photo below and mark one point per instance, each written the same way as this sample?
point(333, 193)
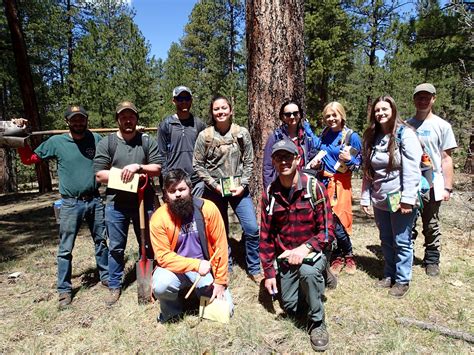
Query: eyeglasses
point(284, 157)
point(289, 114)
point(183, 98)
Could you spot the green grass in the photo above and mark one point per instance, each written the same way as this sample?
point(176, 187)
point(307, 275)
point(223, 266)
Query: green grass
point(360, 317)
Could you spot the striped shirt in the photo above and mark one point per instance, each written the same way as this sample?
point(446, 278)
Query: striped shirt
point(293, 222)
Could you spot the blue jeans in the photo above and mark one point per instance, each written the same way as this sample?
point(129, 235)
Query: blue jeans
point(73, 211)
point(302, 289)
point(167, 284)
point(117, 221)
point(243, 208)
point(344, 244)
point(395, 235)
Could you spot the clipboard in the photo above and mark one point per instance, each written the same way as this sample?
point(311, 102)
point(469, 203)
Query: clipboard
point(217, 311)
point(115, 181)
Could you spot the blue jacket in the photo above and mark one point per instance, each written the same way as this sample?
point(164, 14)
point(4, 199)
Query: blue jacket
point(308, 141)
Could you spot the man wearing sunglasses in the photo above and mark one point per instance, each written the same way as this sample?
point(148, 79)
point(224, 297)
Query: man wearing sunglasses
point(290, 230)
point(177, 136)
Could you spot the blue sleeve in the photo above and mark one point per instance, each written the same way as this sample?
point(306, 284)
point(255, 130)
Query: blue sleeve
point(312, 138)
point(268, 170)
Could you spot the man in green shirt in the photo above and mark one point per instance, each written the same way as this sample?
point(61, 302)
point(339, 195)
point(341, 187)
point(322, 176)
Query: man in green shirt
point(74, 152)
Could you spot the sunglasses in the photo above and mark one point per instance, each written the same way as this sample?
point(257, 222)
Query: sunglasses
point(289, 114)
point(183, 98)
point(284, 157)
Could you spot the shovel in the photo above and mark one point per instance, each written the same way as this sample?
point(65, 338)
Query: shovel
point(144, 265)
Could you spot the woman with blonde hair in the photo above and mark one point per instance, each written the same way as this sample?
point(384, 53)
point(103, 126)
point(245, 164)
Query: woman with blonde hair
point(339, 155)
point(392, 155)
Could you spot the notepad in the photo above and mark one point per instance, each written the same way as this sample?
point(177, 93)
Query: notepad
point(115, 181)
point(218, 310)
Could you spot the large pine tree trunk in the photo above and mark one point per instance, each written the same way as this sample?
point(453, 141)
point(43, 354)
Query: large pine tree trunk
point(275, 66)
point(26, 87)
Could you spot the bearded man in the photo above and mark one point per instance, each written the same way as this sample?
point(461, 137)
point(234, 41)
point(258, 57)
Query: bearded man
point(185, 234)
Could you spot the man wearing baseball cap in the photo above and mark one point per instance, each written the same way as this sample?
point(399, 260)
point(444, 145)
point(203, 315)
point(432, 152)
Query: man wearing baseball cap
point(177, 136)
point(438, 138)
point(134, 153)
point(290, 229)
point(74, 152)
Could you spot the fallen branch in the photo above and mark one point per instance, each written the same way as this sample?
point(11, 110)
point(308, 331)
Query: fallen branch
point(437, 328)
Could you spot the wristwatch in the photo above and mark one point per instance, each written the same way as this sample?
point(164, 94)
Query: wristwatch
point(309, 246)
point(449, 190)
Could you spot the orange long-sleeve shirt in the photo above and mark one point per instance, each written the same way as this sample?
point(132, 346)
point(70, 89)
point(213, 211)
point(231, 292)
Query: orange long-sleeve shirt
point(164, 231)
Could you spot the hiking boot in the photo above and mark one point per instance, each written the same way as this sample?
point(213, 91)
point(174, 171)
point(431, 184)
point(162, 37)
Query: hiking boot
point(384, 283)
point(331, 279)
point(105, 283)
point(337, 265)
point(257, 278)
point(65, 300)
point(350, 267)
point(319, 337)
point(432, 270)
point(399, 290)
point(113, 296)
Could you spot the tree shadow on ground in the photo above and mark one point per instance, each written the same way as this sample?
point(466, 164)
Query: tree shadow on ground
point(238, 253)
point(25, 230)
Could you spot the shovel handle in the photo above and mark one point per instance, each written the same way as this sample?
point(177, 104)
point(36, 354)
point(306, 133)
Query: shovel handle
point(141, 214)
point(200, 276)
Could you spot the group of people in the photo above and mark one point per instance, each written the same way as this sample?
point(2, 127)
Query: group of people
point(306, 207)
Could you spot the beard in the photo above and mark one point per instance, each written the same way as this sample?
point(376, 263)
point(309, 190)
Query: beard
point(76, 129)
point(182, 208)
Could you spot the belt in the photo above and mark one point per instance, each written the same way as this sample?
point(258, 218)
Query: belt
point(84, 197)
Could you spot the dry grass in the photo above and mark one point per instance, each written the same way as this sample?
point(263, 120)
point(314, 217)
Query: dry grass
point(360, 317)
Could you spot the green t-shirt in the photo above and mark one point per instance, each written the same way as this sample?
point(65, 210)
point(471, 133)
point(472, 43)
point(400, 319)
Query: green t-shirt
point(75, 160)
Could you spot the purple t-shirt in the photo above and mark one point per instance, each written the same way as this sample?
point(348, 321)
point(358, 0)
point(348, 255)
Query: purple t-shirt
point(188, 241)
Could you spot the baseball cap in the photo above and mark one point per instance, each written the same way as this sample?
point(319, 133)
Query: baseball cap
point(425, 87)
point(179, 89)
point(125, 105)
point(75, 110)
point(285, 144)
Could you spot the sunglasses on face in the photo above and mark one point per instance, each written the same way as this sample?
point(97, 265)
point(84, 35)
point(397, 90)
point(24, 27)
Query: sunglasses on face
point(283, 157)
point(289, 114)
point(183, 98)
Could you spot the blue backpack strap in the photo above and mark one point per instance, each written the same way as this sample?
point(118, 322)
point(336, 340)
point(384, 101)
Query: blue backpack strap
point(201, 226)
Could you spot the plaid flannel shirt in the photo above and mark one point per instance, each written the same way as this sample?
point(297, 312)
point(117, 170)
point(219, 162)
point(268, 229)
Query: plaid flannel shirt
point(293, 223)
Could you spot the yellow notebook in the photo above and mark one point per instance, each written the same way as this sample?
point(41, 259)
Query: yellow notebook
point(218, 310)
point(115, 181)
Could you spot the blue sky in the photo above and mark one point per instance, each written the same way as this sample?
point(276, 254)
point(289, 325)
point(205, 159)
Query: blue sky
point(162, 22)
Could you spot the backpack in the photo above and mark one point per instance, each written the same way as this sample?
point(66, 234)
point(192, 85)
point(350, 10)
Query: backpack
point(201, 226)
point(311, 193)
point(237, 137)
point(426, 167)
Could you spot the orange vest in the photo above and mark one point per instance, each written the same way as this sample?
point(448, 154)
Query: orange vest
point(340, 194)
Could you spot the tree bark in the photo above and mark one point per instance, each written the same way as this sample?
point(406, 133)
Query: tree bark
point(275, 67)
point(25, 80)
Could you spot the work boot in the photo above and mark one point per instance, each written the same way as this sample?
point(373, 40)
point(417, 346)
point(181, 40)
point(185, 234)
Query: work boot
point(386, 282)
point(399, 290)
point(113, 296)
point(331, 279)
point(350, 267)
point(432, 270)
point(337, 265)
point(65, 300)
point(319, 337)
point(105, 283)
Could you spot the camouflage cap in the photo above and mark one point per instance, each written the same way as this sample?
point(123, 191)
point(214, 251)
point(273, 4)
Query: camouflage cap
point(75, 110)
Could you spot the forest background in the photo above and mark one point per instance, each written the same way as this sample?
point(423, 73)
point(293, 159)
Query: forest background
point(92, 53)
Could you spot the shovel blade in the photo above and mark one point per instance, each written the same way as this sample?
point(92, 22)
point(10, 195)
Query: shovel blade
point(144, 274)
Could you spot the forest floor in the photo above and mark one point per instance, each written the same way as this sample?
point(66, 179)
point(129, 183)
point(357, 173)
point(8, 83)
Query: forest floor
point(360, 317)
